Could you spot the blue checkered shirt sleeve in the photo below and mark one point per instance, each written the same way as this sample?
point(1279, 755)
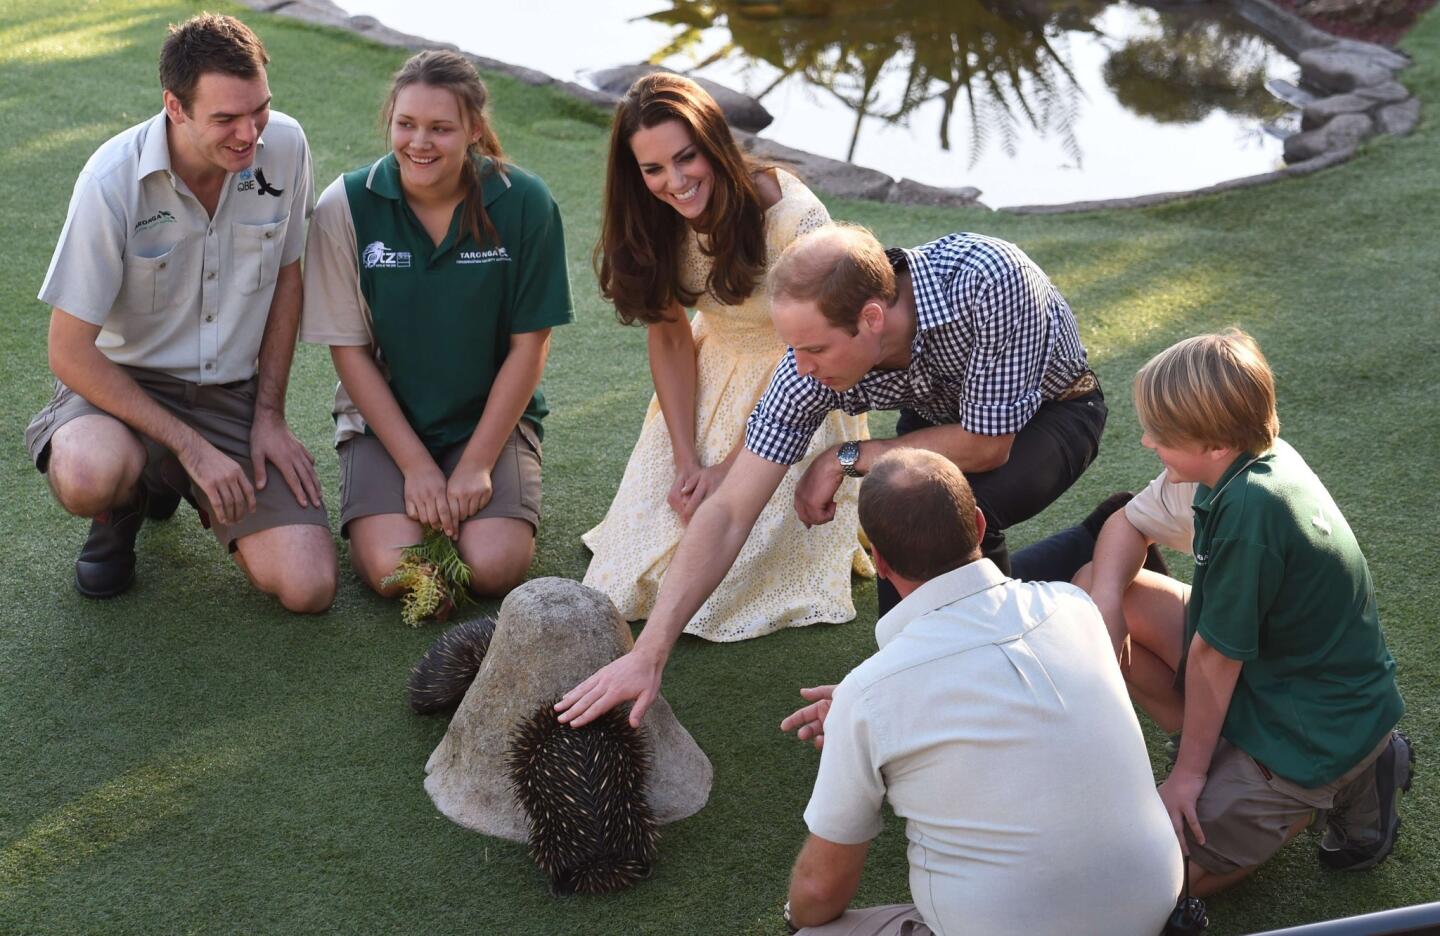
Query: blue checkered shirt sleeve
point(1010, 344)
point(788, 415)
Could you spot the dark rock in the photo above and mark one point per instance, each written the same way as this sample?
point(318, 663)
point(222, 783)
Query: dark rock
point(740, 110)
point(1391, 92)
point(1322, 110)
point(828, 175)
point(1346, 130)
point(1392, 59)
point(1341, 70)
point(910, 192)
point(551, 634)
point(1399, 119)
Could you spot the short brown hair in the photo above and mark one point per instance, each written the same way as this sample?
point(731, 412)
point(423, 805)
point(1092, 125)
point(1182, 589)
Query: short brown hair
point(919, 512)
point(1211, 390)
point(839, 267)
point(208, 42)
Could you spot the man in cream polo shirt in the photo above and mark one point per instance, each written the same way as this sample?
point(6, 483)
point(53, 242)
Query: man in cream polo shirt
point(994, 720)
point(175, 293)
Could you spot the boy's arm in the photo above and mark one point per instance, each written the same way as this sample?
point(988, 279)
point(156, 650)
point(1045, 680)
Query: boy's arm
point(1210, 678)
point(1119, 555)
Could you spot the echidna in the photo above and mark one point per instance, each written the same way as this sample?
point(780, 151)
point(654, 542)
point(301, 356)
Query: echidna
point(444, 674)
point(584, 792)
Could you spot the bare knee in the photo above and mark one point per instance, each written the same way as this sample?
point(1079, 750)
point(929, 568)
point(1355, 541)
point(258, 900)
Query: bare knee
point(377, 546)
point(90, 474)
point(295, 564)
point(498, 564)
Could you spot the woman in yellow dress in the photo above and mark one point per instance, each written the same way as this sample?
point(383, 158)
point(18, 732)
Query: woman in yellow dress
point(690, 221)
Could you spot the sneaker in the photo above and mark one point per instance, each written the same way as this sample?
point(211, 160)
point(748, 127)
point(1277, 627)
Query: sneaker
point(1360, 830)
point(106, 566)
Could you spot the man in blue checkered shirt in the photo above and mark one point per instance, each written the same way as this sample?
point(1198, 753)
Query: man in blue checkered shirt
point(965, 336)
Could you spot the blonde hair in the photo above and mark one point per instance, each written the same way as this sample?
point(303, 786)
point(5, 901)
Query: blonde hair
point(839, 267)
point(1212, 390)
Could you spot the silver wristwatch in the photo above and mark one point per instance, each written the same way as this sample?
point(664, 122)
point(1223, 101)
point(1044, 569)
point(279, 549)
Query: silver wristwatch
point(848, 455)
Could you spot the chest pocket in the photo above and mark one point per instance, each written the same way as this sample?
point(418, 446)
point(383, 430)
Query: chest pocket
point(257, 249)
point(149, 281)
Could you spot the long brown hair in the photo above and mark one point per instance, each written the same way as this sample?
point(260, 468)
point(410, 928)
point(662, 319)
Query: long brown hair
point(638, 256)
point(455, 73)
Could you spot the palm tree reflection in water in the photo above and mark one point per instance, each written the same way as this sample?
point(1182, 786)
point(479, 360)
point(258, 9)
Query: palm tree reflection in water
point(1002, 61)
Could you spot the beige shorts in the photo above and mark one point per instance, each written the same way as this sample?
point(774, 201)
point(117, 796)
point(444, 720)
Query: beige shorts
point(371, 483)
point(1246, 810)
point(889, 920)
point(221, 413)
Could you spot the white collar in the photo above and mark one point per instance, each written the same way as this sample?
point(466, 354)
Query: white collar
point(955, 585)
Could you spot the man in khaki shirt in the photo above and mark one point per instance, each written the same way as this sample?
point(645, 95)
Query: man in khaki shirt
point(175, 294)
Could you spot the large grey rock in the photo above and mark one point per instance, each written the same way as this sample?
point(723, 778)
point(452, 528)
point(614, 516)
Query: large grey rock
point(740, 110)
point(1289, 92)
point(1342, 69)
point(551, 633)
point(1399, 119)
point(1393, 59)
point(1320, 111)
point(1342, 132)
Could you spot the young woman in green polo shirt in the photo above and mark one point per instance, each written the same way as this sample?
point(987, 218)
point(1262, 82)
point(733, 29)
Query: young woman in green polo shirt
point(689, 221)
point(435, 275)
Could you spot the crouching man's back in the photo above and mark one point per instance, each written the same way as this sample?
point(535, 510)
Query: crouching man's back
point(995, 720)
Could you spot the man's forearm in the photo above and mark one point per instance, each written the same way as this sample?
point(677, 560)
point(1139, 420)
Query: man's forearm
point(708, 550)
point(970, 453)
point(824, 880)
point(277, 344)
point(83, 368)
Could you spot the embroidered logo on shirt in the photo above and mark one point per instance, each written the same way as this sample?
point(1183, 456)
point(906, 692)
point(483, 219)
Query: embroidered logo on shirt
point(160, 217)
point(378, 255)
point(265, 187)
point(493, 255)
point(247, 181)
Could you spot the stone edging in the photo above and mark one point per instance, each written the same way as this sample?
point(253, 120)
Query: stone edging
point(1361, 98)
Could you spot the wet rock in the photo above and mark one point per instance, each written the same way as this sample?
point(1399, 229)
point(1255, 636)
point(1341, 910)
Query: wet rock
point(1346, 130)
point(1322, 110)
point(1341, 70)
point(740, 110)
point(551, 634)
point(1399, 119)
point(1290, 93)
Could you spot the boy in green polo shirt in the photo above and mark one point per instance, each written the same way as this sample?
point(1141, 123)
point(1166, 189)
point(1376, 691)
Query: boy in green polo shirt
point(1272, 660)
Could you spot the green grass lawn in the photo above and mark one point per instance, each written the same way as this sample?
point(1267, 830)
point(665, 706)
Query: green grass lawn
point(189, 758)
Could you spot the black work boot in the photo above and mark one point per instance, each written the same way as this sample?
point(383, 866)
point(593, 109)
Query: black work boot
point(106, 566)
point(161, 504)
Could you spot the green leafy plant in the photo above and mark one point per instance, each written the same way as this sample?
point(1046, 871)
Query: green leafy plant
point(434, 577)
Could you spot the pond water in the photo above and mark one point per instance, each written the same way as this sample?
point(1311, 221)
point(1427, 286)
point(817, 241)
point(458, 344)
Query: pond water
point(1030, 101)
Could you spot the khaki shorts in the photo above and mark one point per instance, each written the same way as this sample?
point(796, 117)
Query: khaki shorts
point(221, 413)
point(889, 920)
point(1246, 810)
point(371, 483)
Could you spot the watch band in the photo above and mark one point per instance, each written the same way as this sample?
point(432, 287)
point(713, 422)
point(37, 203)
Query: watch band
point(848, 454)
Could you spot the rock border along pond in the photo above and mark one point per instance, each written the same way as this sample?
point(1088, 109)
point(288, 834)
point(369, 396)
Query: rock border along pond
point(1358, 96)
